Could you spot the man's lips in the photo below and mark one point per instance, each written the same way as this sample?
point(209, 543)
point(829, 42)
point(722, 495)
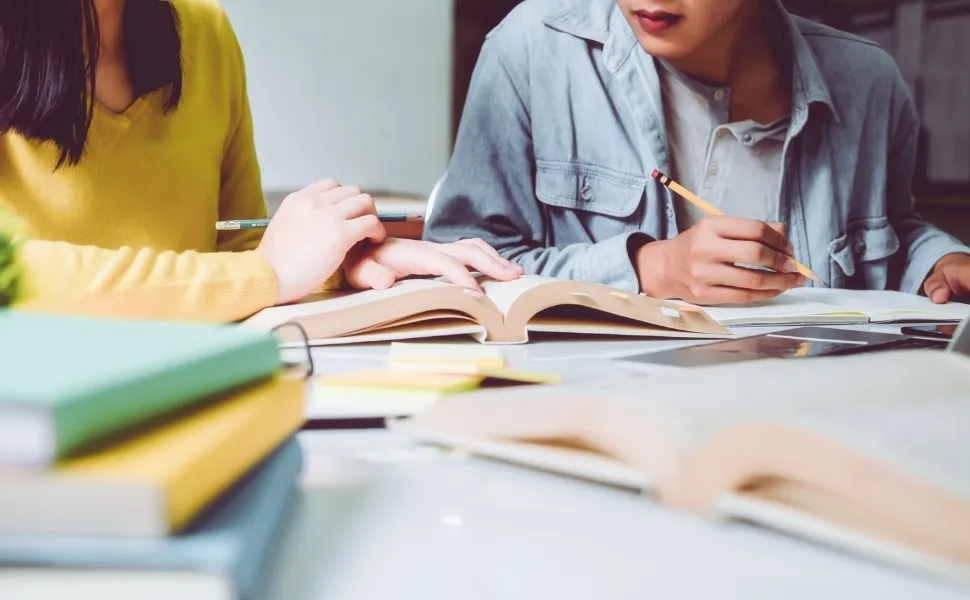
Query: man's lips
point(657, 21)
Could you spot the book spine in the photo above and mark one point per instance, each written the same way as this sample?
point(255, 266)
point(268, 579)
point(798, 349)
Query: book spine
point(257, 559)
point(94, 417)
point(256, 430)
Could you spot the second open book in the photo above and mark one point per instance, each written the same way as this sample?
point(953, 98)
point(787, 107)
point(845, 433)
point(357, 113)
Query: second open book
point(507, 313)
point(870, 453)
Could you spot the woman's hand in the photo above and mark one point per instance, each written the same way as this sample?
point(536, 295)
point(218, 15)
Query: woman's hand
point(312, 232)
point(378, 266)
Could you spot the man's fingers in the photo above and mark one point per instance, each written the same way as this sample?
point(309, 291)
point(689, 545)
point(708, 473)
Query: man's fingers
point(783, 232)
point(719, 274)
point(478, 259)
point(366, 227)
point(357, 206)
point(936, 288)
point(748, 253)
point(367, 273)
point(751, 230)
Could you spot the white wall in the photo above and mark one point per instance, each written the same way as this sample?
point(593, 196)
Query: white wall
point(353, 89)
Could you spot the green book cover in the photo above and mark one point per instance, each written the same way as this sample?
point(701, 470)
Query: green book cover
point(83, 379)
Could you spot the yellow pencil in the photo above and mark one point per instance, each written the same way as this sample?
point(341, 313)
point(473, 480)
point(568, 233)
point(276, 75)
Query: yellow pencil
point(714, 211)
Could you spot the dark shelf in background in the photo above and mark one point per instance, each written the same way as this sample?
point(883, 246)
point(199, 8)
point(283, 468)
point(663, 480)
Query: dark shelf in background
point(473, 20)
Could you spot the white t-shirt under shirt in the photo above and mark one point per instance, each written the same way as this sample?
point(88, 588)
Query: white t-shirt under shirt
point(734, 166)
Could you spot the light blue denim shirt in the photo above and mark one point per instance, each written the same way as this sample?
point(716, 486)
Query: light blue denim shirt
point(564, 124)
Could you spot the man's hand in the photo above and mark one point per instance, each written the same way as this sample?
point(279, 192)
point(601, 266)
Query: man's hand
point(701, 264)
point(949, 280)
point(379, 266)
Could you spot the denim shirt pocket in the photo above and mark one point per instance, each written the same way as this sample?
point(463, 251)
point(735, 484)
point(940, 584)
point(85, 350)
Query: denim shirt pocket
point(860, 259)
point(588, 204)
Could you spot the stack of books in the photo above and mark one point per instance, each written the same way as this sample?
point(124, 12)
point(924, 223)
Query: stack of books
point(141, 460)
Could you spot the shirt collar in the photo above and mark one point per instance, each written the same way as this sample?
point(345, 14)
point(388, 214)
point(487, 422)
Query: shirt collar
point(602, 21)
point(599, 21)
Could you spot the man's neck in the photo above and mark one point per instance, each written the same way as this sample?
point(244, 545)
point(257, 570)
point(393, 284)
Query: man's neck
point(743, 43)
point(743, 58)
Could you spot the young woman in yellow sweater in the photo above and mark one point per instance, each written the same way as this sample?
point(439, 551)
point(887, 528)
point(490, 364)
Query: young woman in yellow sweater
point(125, 134)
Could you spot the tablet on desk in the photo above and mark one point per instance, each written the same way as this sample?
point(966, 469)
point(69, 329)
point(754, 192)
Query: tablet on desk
point(802, 342)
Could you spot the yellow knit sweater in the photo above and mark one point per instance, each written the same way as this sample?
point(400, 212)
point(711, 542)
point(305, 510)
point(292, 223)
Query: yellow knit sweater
point(130, 231)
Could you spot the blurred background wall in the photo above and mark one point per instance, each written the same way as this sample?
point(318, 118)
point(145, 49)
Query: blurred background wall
point(356, 90)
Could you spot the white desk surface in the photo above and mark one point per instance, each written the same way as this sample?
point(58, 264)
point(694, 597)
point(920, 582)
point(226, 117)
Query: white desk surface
point(411, 522)
point(381, 517)
point(578, 361)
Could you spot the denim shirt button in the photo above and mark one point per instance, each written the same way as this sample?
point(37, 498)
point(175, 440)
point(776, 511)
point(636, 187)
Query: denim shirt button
point(859, 246)
point(586, 193)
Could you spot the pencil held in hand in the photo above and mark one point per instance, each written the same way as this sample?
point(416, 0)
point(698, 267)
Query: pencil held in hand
point(712, 210)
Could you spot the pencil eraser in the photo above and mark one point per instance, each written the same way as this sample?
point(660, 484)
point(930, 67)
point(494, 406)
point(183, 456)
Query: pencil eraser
point(655, 174)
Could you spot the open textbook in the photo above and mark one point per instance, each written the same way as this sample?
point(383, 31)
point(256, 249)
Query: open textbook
point(821, 306)
point(508, 312)
point(869, 453)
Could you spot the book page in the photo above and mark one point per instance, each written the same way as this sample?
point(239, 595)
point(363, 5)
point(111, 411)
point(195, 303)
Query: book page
point(928, 439)
point(887, 307)
point(794, 307)
point(325, 302)
point(744, 507)
point(655, 425)
point(890, 482)
point(549, 427)
point(821, 305)
point(715, 398)
point(504, 293)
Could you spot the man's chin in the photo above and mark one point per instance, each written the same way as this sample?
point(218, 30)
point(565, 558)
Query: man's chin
point(667, 49)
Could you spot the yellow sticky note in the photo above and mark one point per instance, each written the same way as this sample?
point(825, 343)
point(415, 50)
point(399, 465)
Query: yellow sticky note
point(444, 358)
point(401, 380)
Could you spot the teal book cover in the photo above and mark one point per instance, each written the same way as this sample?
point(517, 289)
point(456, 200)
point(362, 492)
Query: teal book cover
point(67, 382)
point(235, 540)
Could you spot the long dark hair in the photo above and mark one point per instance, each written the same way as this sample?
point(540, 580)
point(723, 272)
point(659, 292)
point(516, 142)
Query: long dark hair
point(48, 53)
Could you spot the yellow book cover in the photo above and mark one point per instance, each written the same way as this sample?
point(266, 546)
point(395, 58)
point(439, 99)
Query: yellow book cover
point(156, 482)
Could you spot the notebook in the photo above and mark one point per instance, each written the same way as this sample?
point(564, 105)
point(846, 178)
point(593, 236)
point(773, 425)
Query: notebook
point(821, 306)
point(67, 382)
point(509, 312)
point(869, 453)
point(154, 483)
point(225, 555)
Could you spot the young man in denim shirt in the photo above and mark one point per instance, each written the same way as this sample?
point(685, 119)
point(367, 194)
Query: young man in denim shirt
point(806, 136)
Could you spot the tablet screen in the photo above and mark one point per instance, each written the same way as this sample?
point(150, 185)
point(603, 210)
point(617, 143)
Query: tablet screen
point(768, 346)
